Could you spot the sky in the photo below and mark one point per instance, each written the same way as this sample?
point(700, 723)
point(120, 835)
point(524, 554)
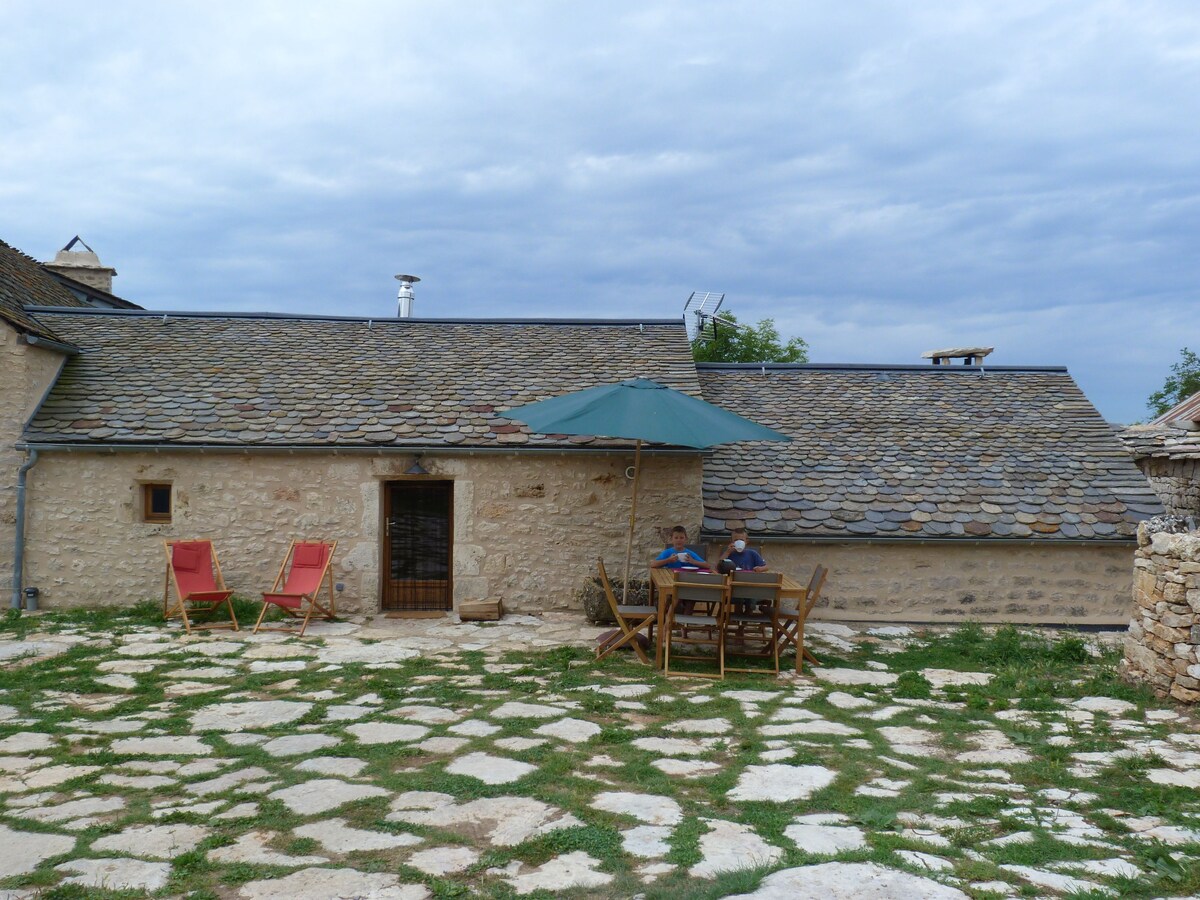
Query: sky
point(880, 178)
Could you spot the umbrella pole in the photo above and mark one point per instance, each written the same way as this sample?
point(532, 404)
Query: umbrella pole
point(637, 474)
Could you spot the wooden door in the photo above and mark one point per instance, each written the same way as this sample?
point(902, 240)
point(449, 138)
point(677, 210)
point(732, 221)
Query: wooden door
point(418, 525)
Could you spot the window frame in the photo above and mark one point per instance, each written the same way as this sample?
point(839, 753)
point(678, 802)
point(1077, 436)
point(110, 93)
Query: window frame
point(148, 513)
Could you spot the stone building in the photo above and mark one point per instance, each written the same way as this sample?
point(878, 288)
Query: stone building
point(1167, 450)
point(31, 357)
point(932, 492)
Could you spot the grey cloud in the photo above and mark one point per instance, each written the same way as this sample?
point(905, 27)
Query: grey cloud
point(879, 177)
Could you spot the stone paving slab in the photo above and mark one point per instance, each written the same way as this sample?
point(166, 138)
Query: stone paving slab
point(166, 752)
point(325, 884)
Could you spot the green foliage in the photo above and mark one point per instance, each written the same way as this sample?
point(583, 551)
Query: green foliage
point(1158, 858)
point(748, 343)
point(1183, 381)
point(913, 685)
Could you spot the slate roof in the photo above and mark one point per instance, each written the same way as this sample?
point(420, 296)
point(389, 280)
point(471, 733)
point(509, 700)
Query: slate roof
point(24, 282)
point(1166, 437)
point(1161, 441)
point(276, 380)
point(920, 452)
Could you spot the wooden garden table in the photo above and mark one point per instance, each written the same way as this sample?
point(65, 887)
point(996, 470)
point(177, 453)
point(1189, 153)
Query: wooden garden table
point(662, 591)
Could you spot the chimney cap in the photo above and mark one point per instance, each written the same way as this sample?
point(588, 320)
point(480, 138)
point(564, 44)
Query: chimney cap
point(84, 259)
point(971, 356)
point(408, 279)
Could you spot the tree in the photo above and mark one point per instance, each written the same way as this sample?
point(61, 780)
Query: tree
point(1183, 381)
point(746, 343)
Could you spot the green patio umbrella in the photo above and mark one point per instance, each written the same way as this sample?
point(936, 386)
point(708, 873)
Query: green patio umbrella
point(640, 410)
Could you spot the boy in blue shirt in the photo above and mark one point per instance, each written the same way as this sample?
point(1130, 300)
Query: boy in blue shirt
point(678, 555)
point(742, 556)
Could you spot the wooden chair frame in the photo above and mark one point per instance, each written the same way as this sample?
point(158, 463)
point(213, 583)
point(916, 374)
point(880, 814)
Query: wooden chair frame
point(754, 587)
point(300, 605)
point(632, 620)
point(696, 588)
point(208, 601)
point(791, 631)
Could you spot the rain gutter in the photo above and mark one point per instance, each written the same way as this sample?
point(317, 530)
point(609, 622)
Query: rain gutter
point(406, 450)
point(35, 341)
point(19, 549)
point(975, 542)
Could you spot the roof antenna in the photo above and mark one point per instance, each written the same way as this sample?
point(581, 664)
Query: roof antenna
point(699, 314)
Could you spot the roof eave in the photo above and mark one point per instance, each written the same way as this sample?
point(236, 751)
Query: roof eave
point(930, 539)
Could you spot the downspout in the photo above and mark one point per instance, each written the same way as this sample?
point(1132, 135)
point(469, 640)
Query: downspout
point(19, 550)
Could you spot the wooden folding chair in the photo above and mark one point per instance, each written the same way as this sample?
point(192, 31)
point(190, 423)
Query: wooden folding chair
point(308, 565)
point(193, 570)
point(632, 619)
point(791, 624)
point(752, 618)
point(702, 625)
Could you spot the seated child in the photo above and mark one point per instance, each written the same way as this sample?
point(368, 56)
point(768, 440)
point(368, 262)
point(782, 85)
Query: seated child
point(674, 558)
point(678, 555)
point(737, 556)
point(740, 555)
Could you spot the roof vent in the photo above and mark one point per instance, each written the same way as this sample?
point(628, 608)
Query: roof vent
point(82, 265)
point(971, 356)
point(404, 299)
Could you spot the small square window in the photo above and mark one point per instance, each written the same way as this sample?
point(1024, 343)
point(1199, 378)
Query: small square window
point(156, 502)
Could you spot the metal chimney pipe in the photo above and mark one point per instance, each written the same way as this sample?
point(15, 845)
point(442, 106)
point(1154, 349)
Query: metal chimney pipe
point(404, 298)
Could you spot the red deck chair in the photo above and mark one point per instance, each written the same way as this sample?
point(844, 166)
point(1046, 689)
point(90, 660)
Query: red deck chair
point(193, 569)
point(296, 595)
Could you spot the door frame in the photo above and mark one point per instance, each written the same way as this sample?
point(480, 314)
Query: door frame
point(384, 544)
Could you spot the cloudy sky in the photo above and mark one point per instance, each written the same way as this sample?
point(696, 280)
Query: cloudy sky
point(882, 178)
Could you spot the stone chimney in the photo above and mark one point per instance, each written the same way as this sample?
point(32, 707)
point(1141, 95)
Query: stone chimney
point(83, 265)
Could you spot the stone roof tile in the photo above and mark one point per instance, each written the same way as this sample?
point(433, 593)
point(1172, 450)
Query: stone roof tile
point(921, 452)
point(25, 282)
point(303, 381)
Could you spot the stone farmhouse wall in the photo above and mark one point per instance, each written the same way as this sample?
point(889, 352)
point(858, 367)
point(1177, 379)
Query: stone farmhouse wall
point(1176, 482)
point(1164, 633)
point(25, 374)
point(943, 582)
point(527, 528)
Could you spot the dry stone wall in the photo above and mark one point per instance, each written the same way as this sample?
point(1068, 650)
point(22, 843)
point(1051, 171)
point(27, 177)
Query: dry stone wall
point(527, 527)
point(25, 374)
point(1164, 633)
point(1176, 482)
point(972, 580)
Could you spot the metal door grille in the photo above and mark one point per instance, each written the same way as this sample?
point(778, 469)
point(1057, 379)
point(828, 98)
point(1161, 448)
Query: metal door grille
point(417, 531)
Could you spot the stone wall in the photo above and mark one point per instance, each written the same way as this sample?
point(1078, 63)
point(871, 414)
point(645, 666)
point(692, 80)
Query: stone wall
point(527, 527)
point(25, 374)
point(1176, 482)
point(1164, 633)
point(976, 580)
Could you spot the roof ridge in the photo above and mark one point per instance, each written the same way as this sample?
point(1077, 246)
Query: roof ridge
point(319, 317)
point(20, 252)
point(873, 367)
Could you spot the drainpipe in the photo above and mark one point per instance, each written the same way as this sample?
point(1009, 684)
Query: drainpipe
point(19, 550)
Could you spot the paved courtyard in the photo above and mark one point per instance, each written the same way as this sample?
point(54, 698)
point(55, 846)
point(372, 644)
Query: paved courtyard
point(410, 759)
